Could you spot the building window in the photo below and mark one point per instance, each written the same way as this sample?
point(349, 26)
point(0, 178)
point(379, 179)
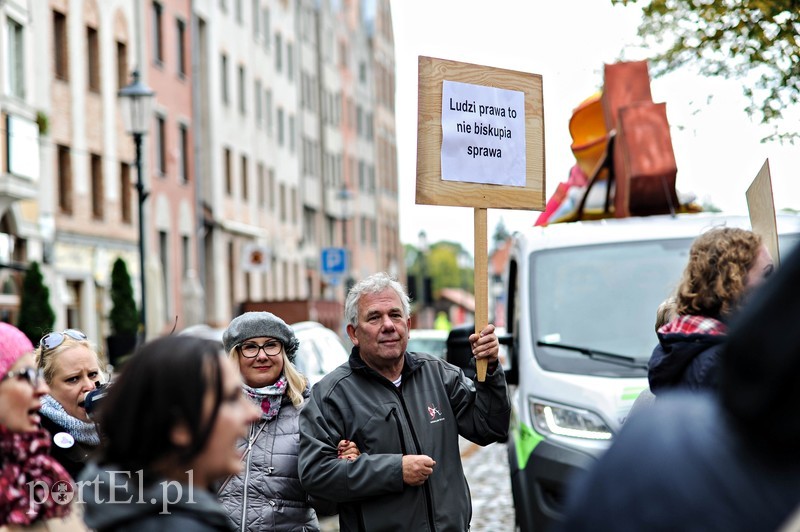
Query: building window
point(261, 184)
point(228, 171)
point(224, 77)
point(294, 205)
point(64, 179)
point(278, 53)
point(239, 16)
point(268, 110)
point(256, 19)
point(60, 46)
point(183, 160)
point(163, 256)
point(186, 255)
point(161, 145)
point(342, 54)
point(242, 90)
point(158, 33)
point(282, 200)
point(180, 36)
point(290, 61)
point(265, 30)
point(97, 187)
point(291, 133)
point(280, 126)
point(257, 92)
point(16, 59)
point(122, 65)
point(244, 177)
point(271, 189)
point(93, 59)
point(125, 191)
point(231, 273)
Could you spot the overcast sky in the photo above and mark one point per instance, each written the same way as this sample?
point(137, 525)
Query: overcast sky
point(716, 145)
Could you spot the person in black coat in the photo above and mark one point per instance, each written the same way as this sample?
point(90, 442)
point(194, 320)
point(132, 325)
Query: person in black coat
point(713, 460)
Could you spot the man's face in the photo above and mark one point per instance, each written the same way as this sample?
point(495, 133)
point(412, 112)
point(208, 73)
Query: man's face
point(382, 331)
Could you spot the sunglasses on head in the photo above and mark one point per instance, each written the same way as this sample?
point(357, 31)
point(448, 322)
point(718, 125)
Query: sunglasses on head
point(32, 376)
point(55, 339)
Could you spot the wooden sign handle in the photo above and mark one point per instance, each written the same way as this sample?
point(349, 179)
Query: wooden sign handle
point(481, 283)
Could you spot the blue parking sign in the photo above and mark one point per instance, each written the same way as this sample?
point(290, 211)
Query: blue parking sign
point(334, 261)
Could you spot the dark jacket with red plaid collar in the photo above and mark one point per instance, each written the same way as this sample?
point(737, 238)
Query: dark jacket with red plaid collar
point(687, 355)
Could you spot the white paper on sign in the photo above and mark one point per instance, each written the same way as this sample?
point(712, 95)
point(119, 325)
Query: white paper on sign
point(483, 134)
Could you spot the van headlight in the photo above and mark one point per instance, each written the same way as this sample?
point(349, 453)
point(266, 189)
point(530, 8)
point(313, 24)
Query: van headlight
point(567, 421)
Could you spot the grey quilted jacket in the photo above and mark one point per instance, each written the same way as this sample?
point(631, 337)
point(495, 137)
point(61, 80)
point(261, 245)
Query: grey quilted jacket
point(267, 494)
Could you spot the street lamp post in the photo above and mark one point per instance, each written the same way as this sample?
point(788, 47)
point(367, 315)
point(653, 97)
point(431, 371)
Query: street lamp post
point(136, 101)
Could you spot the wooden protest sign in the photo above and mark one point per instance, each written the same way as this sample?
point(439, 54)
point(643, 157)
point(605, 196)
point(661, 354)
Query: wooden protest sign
point(761, 205)
point(480, 144)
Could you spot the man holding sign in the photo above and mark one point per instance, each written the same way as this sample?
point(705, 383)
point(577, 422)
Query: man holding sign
point(404, 411)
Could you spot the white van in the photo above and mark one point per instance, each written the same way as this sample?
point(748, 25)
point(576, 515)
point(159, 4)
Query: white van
point(581, 308)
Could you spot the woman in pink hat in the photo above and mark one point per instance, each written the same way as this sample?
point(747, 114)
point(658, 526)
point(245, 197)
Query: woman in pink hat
point(35, 490)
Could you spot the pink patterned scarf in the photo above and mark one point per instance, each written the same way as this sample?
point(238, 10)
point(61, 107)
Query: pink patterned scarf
point(268, 398)
point(26, 467)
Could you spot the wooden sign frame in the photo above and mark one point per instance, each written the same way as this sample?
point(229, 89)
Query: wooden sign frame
point(431, 189)
point(761, 206)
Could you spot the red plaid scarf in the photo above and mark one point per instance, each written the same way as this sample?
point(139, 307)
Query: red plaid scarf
point(694, 325)
point(26, 464)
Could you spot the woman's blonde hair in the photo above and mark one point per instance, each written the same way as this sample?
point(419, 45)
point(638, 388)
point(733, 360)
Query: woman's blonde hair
point(296, 381)
point(715, 278)
point(45, 358)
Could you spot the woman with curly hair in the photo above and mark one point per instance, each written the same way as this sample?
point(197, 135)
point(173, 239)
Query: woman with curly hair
point(725, 264)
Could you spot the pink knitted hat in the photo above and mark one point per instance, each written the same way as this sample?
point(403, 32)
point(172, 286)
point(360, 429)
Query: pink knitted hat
point(13, 345)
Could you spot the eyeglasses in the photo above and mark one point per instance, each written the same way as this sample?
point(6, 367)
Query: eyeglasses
point(34, 377)
point(251, 349)
point(55, 339)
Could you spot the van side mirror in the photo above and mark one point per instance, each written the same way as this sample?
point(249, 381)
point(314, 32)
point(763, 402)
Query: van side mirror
point(459, 352)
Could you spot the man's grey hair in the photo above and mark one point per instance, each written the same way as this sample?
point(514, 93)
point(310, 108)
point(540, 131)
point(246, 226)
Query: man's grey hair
point(373, 284)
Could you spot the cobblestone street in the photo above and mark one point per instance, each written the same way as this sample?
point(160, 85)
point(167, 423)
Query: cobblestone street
point(486, 469)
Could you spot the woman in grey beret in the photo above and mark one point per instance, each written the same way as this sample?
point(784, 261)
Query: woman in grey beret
point(267, 494)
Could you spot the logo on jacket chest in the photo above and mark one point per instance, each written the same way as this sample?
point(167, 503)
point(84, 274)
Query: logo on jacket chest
point(435, 413)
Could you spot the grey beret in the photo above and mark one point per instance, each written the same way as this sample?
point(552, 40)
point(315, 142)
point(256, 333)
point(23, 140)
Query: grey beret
point(257, 325)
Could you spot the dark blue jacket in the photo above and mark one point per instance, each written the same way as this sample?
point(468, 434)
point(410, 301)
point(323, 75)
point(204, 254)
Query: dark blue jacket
point(689, 361)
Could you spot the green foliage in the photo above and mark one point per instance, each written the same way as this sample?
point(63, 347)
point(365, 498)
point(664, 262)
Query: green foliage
point(123, 317)
point(752, 40)
point(36, 316)
point(441, 264)
point(43, 122)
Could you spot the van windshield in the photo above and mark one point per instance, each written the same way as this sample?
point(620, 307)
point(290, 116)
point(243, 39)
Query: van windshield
point(604, 298)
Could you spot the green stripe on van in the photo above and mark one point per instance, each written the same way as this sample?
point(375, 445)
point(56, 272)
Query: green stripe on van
point(632, 392)
point(525, 441)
